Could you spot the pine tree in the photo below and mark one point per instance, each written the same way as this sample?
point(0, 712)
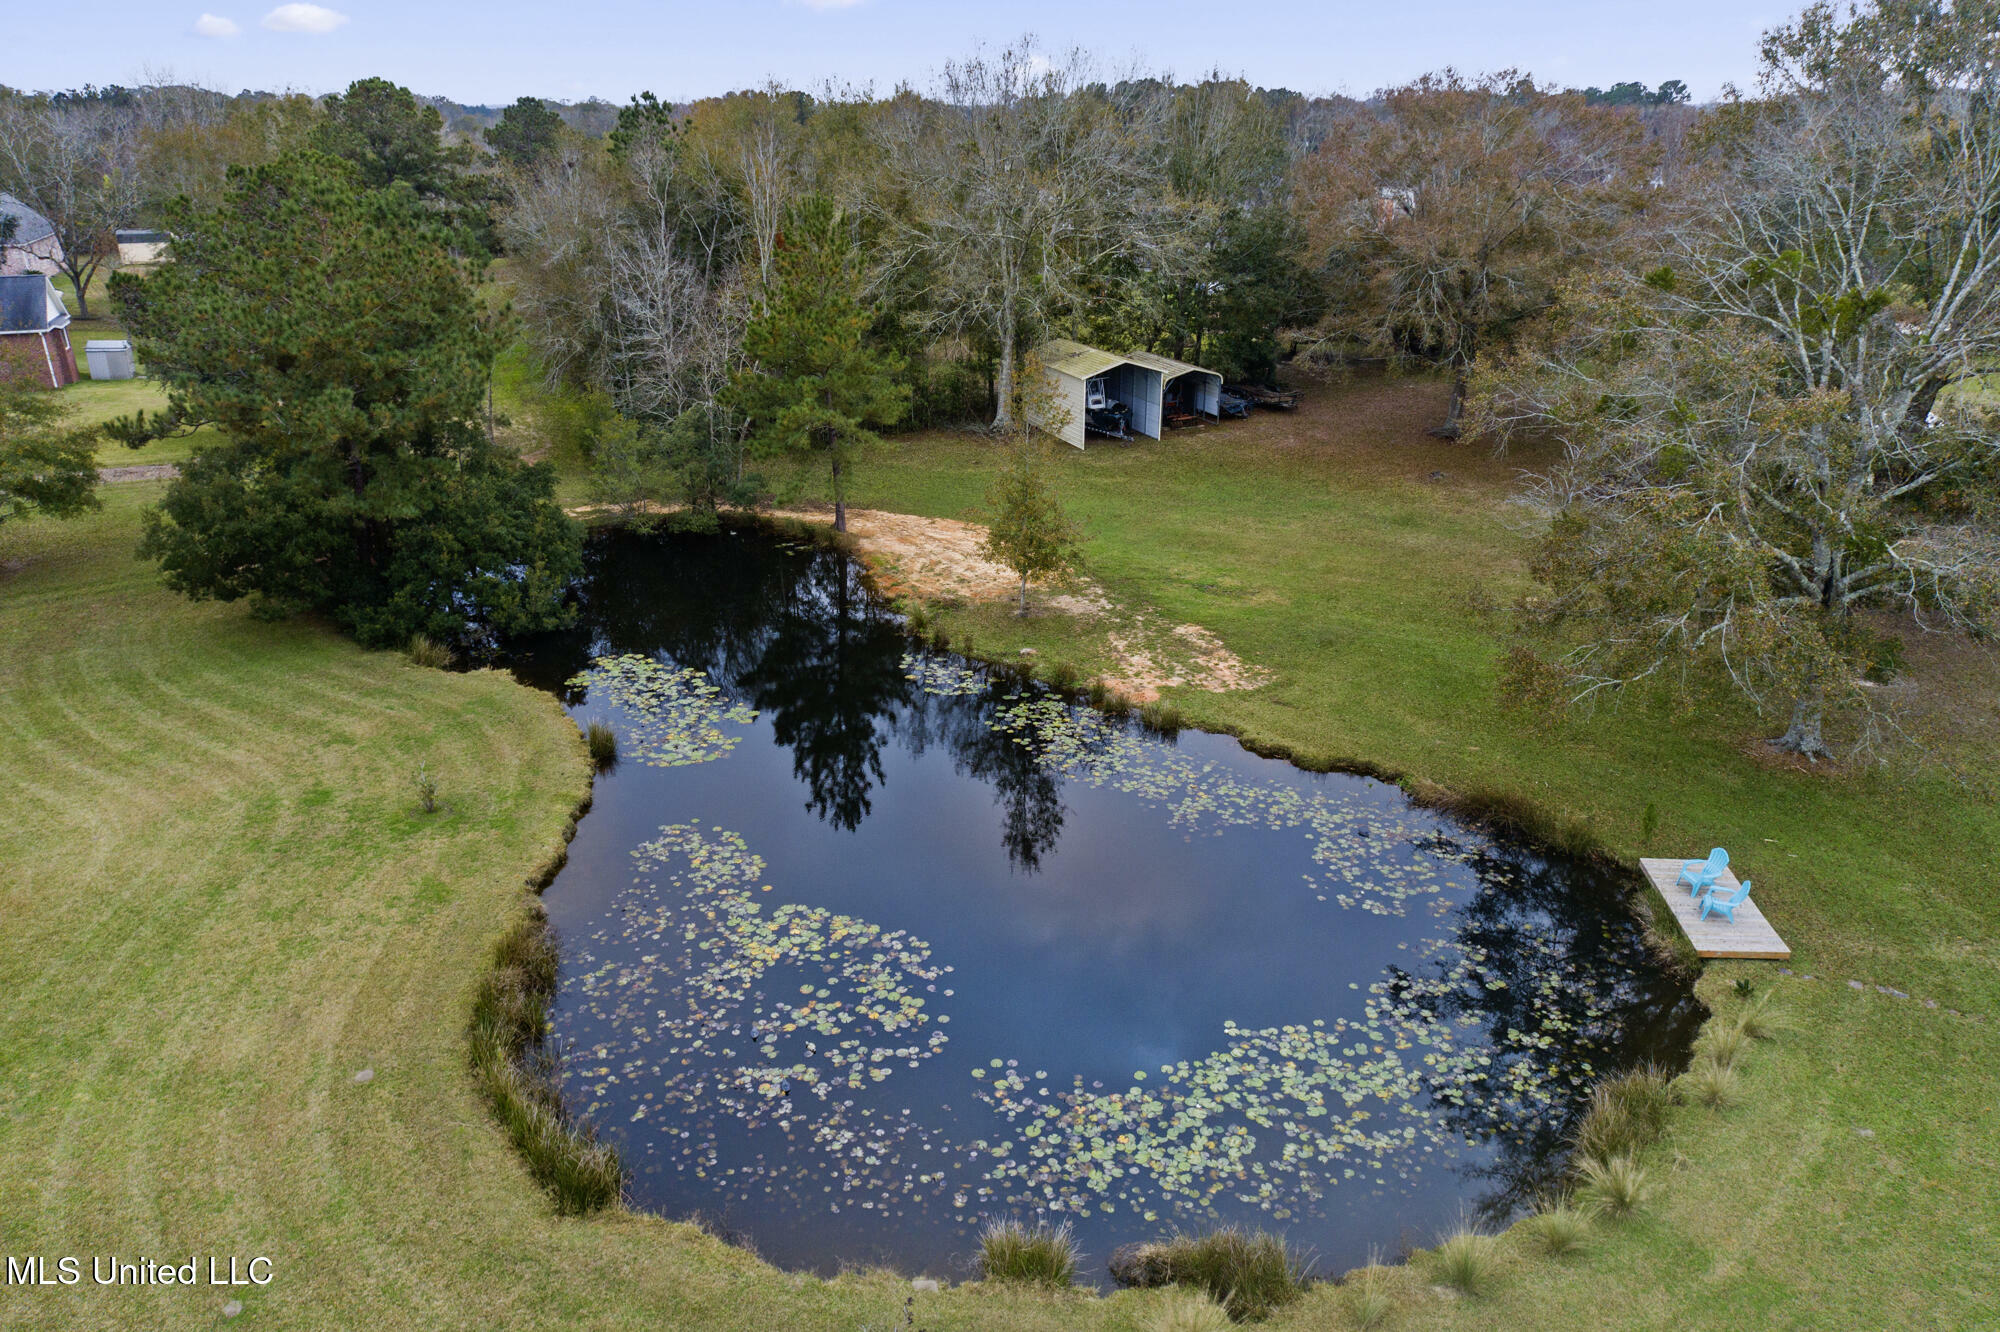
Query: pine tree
point(45, 467)
point(815, 385)
point(340, 349)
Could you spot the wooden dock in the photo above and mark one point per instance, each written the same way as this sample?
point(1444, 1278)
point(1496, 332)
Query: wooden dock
point(1750, 936)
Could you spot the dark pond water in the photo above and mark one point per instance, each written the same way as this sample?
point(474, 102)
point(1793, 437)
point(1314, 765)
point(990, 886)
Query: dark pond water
point(862, 947)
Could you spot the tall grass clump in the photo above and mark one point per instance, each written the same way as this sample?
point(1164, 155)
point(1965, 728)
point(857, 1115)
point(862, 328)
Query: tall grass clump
point(1757, 1021)
point(1724, 1044)
point(1614, 1188)
point(423, 650)
point(1625, 1114)
point(603, 743)
point(1370, 1305)
point(1162, 717)
point(1037, 1255)
point(1189, 1311)
point(1560, 1228)
point(1250, 1273)
point(509, 1012)
point(1711, 1084)
point(1465, 1261)
point(1064, 676)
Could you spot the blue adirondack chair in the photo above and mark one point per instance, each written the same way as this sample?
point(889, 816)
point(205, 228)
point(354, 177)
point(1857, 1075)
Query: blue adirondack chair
point(1726, 903)
point(1700, 875)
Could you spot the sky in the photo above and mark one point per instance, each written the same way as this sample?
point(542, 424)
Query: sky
point(492, 51)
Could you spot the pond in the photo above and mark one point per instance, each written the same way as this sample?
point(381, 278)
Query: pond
point(864, 945)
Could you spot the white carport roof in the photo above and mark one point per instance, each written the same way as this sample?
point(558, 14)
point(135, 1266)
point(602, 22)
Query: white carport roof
point(1168, 367)
point(1081, 362)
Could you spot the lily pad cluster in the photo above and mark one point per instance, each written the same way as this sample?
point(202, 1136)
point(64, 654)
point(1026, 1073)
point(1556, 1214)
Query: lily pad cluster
point(736, 1016)
point(674, 714)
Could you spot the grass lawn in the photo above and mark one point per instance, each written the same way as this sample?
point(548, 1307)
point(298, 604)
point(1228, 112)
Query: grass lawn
point(94, 401)
point(221, 903)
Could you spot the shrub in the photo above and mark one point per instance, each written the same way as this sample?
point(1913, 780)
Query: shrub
point(1560, 1228)
point(1189, 1311)
point(1039, 1255)
point(427, 789)
point(1711, 1084)
point(428, 652)
point(1251, 1273)
point(1745, 987)
point(1614, 1187)
point(1465, 1261)
point(603, 742)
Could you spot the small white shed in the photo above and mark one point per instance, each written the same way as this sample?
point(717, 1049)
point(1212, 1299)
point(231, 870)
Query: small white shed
point(1185, 388)
point(1079, 376)
point(108, 358)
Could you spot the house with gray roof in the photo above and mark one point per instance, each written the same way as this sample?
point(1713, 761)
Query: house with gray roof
point(33, 247)
point(34, 333)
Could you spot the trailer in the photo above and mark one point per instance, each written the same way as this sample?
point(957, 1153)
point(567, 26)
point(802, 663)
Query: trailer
point(1279, 400)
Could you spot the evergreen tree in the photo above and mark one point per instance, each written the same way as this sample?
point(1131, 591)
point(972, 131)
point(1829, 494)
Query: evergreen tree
point(527, 131)
point(330, 334)
point(394, 140)
point(44, 468)
point(814, 383)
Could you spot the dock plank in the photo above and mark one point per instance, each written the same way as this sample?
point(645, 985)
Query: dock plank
point(1750, 936)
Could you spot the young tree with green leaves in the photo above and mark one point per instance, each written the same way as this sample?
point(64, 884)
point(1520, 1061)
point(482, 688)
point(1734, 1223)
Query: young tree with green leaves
point(1029, 532)
point(814, 383)
point(45, 468)
point(331, 335)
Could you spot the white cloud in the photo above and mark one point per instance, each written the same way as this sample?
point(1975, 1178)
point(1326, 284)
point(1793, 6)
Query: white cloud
point(315, 19)
point(214, 25)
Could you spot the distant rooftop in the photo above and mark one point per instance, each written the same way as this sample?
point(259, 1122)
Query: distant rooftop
point(30, 226)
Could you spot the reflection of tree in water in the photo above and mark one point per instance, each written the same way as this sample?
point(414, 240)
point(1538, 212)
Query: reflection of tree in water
point(1028, 790)
point(831, 677)
point(790, 630)
point(1574, 989)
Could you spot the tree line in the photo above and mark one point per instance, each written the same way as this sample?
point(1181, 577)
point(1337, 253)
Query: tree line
point(1752, 331)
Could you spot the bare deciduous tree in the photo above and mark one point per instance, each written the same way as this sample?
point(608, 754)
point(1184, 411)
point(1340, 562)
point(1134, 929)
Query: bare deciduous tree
point(75, 165)
point(1011, 192)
